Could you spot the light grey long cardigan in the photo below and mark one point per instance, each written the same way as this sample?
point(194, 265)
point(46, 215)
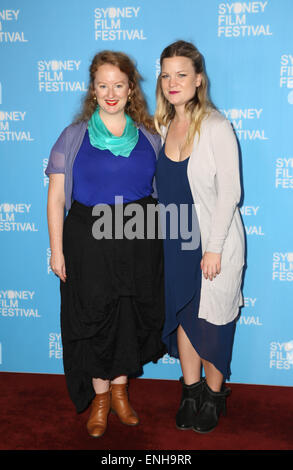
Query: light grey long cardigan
point(213, 174)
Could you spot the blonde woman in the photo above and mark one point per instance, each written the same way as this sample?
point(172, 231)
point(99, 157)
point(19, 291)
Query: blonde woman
point(198, 168)
point(112, 298)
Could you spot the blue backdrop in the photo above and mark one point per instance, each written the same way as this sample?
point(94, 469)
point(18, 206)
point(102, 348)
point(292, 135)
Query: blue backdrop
point(46, 49)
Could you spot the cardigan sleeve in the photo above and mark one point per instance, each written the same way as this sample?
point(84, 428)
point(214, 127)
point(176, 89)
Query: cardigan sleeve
point(227, 181)
point(56, 163)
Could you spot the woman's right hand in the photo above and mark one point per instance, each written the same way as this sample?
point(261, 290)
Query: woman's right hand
point(211, 265)
point(57, 263)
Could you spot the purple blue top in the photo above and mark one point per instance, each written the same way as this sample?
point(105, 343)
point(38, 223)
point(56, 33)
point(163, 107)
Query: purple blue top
point(99, 176)
point(66, 148)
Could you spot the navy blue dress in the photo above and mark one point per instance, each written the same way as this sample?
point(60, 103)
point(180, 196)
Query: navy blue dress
point(183, 274)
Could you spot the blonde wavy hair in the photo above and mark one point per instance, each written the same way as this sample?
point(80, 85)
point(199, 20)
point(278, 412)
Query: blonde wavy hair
point(199, 106)
point(136, 107)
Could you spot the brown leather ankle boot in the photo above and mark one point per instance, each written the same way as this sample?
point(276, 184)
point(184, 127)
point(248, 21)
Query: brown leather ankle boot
point(121, 406)
point(100, 408)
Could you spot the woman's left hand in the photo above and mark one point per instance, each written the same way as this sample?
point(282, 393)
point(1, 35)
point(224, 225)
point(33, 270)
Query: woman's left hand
point(211, 265)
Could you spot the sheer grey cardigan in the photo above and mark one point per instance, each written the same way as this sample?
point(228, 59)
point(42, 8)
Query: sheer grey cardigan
point(214, 179)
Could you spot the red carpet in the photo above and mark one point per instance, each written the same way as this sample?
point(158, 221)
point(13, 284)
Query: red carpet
point(37, 414)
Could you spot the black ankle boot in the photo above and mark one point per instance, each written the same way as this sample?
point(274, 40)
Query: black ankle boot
point(213, 404)
point(189, 405)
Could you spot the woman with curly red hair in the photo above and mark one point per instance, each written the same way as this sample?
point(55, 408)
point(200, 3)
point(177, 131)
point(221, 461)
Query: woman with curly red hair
point(112, 299)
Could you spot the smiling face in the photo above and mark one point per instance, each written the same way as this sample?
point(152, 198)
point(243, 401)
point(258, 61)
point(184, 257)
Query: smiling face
point(111, 88)
point(179, 80)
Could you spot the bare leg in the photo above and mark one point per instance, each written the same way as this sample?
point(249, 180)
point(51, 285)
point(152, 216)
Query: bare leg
point(214, 377)
point(191, 385)
point(122, 379)
point(100, 385)
point(189, 359)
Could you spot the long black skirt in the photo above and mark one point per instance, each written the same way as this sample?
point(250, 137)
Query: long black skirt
point(112, 303)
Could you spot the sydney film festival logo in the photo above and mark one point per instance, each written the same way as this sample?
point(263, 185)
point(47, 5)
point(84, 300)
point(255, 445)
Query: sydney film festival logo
point(284, 173)
point(12, 124)
point(18, 304)
point(282, 266)
point(251, 215)
point(286, 75)
point(16, 218)
point(118, 24)
point(243, 19)
point(60, 76)
point(55, 346)
point(247, 123)
point(281, 355)
point(9, 29)
point(250, 315)
point(11, 127)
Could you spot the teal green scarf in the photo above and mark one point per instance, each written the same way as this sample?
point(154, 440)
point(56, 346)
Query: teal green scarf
point(103, 139)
